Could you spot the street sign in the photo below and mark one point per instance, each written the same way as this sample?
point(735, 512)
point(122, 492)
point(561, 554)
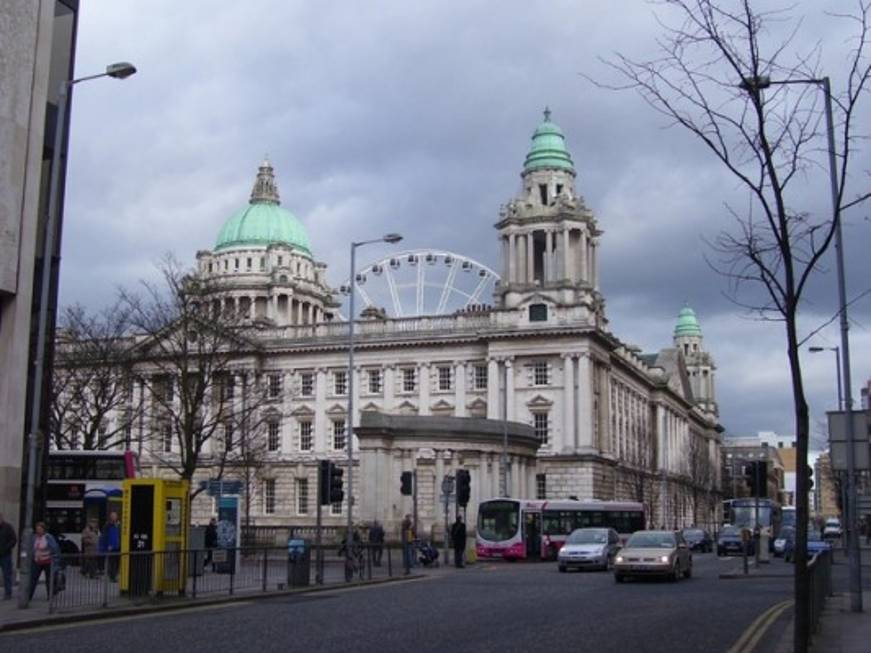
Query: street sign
point(447, 498)
point(838, 439)
point(447, 484)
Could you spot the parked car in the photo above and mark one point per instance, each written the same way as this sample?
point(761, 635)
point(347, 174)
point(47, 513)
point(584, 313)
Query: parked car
point(654, 553)
point(698, 539)
point(832, 529)
point(730, 541)
point(815, 544)
point(589, 548)
point(784, 539)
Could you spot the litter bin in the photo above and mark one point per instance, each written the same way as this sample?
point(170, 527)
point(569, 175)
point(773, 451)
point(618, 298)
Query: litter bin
point(298, 563)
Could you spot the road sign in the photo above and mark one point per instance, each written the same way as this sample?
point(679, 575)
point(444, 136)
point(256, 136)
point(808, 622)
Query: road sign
point(447, 484)
point(838, 439)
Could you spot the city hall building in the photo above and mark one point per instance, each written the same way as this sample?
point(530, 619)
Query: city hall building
point(535, 375)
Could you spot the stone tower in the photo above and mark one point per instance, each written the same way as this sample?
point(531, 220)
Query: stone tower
point(699, 363)
point(549, 237)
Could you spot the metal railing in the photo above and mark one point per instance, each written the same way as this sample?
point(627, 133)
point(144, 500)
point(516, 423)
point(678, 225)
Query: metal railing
point(820, 580)
point(78, 582)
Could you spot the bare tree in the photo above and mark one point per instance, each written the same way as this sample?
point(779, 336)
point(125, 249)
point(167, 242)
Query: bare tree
point(190, 353)
point(701, 478)
point(769, 141)
point(92, 402)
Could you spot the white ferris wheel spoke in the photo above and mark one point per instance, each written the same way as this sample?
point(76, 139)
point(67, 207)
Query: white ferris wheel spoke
point(421, 282)
point(394, 295)
point(447, 288)
point(476, 295)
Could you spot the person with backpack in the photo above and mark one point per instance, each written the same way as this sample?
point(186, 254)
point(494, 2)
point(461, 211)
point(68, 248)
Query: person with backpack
point(458, 538)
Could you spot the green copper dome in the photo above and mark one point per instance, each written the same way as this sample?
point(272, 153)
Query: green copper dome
point(548, 148)
point(687, 323)
point(263, 221)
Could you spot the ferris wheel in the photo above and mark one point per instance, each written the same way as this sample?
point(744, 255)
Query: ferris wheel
point(422, 282)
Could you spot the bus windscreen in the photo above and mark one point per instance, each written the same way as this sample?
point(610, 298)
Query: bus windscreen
point(498, 520)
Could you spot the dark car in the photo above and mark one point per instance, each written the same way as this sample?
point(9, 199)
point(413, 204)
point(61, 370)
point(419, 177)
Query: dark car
point(698, 539)
point(815, 544)
point(730, 541)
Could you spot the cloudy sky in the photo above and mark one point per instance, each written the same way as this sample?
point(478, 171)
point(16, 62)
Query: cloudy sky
point(416, 117)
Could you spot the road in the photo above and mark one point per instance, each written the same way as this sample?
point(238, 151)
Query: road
point(488, 607)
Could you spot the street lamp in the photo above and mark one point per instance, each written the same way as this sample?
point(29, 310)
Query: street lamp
point(753, 85)
point(120, 70)
point(391, 238)
point(837, 350)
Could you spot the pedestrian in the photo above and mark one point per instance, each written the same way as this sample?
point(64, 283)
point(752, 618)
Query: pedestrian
point(44, 554)
point(90, 549)
point(376, 540)
point(8, 540)
point(111, 546)
point(211, 543)
point(407, 538)
point(458, 538)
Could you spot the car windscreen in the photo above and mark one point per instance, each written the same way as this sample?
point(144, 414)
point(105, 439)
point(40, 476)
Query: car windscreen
point(651, 540)
point(730, 531)
point(588, 537)
point(694, 533)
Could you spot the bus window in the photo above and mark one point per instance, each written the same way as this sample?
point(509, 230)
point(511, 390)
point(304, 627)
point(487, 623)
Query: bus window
point(498, 520)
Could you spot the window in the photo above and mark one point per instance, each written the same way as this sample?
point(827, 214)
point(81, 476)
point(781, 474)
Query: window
point(228, 436)
point(541, 426)
point(340, 382)
point(269, 496)
point(306, 384)
point(480, 380)
point(225, 264)
point(281, 260)
point(229, 387)
point(542, 193)
point(262, 262)
point(273, 439)
point(375, 381)
point(538, 312)
point(211, 266)
point(274, 385)
point(166, 436)
point(235, 264)
point(539, 373)
point(302, 496)
point(338, 434)
point(336, 508)
point(444, 378)
point(541, 487)
point(408, 380)
point(306, 440)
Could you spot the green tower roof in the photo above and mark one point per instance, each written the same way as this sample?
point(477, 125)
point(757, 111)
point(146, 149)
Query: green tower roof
point(548, 149)
point(263, 221)
point(687, 323)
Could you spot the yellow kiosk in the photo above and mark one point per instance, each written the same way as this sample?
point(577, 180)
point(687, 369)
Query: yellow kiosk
point(154, 536)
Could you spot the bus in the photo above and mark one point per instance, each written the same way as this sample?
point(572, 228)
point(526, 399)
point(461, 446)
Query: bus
point(787, 516)
point(83, 485)
point(743, 514)
point(518, 529)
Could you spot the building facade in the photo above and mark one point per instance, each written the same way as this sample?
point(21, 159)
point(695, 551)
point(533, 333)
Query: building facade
point(604, 421)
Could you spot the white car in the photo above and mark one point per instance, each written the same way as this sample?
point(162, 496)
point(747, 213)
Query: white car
point(832, 529)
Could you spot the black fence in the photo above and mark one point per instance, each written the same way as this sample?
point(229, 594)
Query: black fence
point(78, 582)
point(820, 577)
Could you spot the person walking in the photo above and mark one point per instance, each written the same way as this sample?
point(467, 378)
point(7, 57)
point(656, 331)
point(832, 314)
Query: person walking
point(90, 549)
point(111, 545)
point(407, 543)
point(376, 540)
point(458, 538)
point(8, 540)
point(44, 554)
point(211, 542)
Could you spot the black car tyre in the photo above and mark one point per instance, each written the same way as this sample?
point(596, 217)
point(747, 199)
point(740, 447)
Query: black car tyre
point(674, 576)
point(618, 578)
point(562, 568)
point(688, 573)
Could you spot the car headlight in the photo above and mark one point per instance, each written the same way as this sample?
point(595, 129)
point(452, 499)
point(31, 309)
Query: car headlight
point(664, 559)
point(619, 558)
point(562, 550)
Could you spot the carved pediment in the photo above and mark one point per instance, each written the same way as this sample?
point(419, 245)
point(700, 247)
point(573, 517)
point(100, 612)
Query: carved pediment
point(539, 402)
point(337, 409)
point(406, 408)
point(303, 411)
point(371, 407)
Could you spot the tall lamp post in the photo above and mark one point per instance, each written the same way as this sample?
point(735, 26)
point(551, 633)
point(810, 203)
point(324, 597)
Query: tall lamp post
point(119, 70)
point(754, 85)
point(349, 427)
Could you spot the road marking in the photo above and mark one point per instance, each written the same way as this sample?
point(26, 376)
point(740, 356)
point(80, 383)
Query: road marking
point(356, 588)
point(99, 620)
point(750, 637)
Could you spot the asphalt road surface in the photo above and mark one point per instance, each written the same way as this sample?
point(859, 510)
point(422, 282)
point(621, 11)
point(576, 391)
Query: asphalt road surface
point(488, 607)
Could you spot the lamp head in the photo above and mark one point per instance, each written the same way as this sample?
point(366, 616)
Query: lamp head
point(753, 84)
point(120, 70)
point(815, 350)
point(392, 238)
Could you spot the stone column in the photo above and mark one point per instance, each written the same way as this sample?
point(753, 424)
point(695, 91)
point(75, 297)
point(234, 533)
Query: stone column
point(569, 435)
point(493, 401)
point(509, 390)
point(530, 257)
point(320, 416)
point(423, 391)
point(512, 258)
point(460, 389)
point(311, 313)
point(567, 253)
point(594, 264)
point(583, 273)
point(585, 402)
point(355, 421)
point(549, 266)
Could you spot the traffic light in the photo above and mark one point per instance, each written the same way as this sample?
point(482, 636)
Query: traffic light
point(810, 477)
point(324, 482)
point(750, 477)
point(405, 481)
point(464, 482)
point(337, 490)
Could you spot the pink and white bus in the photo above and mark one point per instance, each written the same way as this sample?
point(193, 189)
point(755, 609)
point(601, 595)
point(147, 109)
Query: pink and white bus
point(518, 529)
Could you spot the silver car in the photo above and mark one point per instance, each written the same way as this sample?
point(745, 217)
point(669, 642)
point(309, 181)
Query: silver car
point(593, 548)
point(654, 553)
